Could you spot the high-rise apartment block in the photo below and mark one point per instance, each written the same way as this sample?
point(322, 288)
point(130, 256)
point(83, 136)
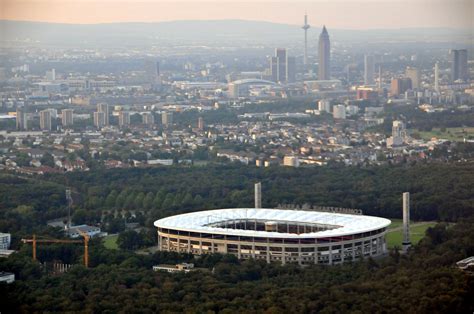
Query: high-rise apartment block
point(148, 118)
point(45, 120)
point(200, 123)
point(21, 119)
point(124, 118)
point(99, 119)
point(67, 117)
point(398, 134)
point(104, 108)
point(339, 112)
point(167, 118)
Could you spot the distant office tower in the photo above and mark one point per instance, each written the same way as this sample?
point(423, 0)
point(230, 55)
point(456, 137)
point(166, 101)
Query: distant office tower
point(339, 112)
point(398, 134)
point(167, 118)
point(124, 118)
point(305, 28)
point(105, 109)
point(459, 69)
point(45, 120)
point(21, 119)
point(282, 67)
point(148, 118)
point(281, 55)
point(290, 69)
point(324, 105)
point(324, 55)
point(152, 69)
point(278, 65)
point(436, 77)
point(200, 123)
point(414, 75)
point(380, 78)
point(67, 117)
point(369, 67)
point(400, 86)
point(51, 75)
point(99, 119)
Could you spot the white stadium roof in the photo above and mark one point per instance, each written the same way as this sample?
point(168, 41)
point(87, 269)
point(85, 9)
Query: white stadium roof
point(199, 221)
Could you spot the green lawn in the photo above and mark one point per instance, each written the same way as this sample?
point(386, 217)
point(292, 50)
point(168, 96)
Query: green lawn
point(452, 134)
point(110, 242)
point(394, 238)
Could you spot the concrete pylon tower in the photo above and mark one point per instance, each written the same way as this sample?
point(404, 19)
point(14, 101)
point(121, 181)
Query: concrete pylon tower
point(406, 221)
point(305, 27)
point(258, 195)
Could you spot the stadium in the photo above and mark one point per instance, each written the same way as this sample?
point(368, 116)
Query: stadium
point(275, 235)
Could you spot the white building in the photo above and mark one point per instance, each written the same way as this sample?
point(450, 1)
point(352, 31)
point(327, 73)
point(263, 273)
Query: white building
point(398, 134)
point(67, 117)
point(75, 231)
point(339, 112)
point(324, 105)
point(7, 277)
point(5, 241)
point(291, 161)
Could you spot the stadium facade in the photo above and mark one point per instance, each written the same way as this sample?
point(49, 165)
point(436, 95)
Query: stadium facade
point(275, 235)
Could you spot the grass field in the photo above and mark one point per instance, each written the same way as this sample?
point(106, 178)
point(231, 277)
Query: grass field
point(452, 134)
point(110, 242)
point(417, 232)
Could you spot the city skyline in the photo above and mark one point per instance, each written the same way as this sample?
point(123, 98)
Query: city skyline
point(383, 14)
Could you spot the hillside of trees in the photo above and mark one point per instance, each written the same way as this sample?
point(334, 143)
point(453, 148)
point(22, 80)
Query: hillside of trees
point(423, 281)
point(441, 192)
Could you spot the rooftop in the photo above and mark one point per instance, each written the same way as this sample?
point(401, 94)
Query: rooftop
point(211, 221)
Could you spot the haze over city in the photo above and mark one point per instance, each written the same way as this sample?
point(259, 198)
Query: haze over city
point(342, 14)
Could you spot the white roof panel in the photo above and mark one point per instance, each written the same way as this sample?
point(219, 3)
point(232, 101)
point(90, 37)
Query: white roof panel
point(199, 221)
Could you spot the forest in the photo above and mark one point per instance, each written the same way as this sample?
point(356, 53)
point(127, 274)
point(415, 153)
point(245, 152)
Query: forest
point(424, 280)
point(439, 191)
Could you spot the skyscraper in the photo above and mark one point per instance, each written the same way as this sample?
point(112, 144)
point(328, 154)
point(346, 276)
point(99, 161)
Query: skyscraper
point(21, 119)
point(45, 120)
point(459, 70)
point(67, 117)
point(290, 69)
point(436, 77)
point(200, 123)
point(167, 118)
point(400, 85)
point(124, 118)
point(305, 28)
point(369, 70)
point(99, 119)
point(148, 118)
point(282, 67)
point(103, 107)
point(324, 55)
point(414, 75)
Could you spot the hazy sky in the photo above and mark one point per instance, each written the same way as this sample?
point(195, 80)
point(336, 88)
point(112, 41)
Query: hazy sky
point(347, 14)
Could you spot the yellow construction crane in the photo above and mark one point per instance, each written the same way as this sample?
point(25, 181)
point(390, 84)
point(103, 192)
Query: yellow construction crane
point(34, 241)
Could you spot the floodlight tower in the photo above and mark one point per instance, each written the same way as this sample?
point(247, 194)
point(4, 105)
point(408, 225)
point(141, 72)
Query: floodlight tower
point(305, 27)
point(69, 205)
